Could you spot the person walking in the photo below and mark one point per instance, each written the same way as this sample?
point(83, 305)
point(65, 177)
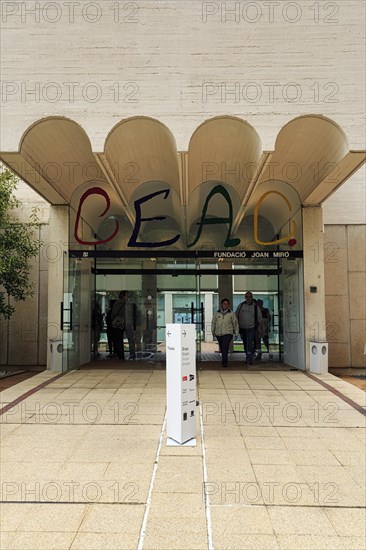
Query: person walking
point(108, 320)
point(264, 328)
point(121, 324)
point(249, 316)
point(224, 326)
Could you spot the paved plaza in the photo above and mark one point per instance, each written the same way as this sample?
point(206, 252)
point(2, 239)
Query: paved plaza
point(279, 463)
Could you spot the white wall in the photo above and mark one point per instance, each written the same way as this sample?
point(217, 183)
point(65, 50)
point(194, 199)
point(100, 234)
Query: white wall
point(348, 204)
point(182, 62)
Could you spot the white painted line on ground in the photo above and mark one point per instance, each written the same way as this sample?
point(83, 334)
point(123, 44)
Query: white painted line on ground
point(207, 498)
point(148, 501)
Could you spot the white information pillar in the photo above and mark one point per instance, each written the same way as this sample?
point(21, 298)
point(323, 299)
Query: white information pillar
point(181, 384)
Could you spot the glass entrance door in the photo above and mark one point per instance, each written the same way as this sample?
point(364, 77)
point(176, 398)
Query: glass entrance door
point(70, 315)
point(186, 291)
point(265, 287)
point(159, 293)
point(179, 300)
point(76, 313)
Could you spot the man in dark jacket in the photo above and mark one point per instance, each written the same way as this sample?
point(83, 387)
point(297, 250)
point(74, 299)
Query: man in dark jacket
point(122, 323)
point(249, 315)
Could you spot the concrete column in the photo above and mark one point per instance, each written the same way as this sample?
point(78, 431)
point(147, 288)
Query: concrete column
point(314, 288)
point(58, 247)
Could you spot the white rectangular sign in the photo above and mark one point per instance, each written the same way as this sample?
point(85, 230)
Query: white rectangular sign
point(181, 381)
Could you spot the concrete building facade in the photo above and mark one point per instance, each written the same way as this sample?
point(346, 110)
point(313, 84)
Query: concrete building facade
point(250, 113)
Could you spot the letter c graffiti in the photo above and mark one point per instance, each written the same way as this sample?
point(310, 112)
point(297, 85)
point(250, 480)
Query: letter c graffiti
point(94, 191)
point(292, 232)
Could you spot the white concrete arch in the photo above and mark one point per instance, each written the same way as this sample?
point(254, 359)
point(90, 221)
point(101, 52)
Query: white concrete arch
point(311, 156)
point(59, 149)
point(38, 121)
point(308, 150)
point(226, 149)
point(141, 149)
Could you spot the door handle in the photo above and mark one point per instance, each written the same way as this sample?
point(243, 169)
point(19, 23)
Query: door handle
point(62, 321)
point(71, 315)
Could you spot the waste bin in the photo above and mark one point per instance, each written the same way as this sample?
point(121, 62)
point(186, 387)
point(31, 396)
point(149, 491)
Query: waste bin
point(56, 349)
point(318, 357)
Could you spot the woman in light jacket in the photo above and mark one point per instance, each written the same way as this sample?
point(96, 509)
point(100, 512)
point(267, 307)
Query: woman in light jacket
point(224, 326)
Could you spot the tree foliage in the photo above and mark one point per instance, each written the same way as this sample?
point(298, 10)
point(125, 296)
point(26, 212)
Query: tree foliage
point(18, 245)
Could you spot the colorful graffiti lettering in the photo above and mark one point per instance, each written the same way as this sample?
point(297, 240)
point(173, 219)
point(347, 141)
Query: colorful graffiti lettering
point(230, 242)
point(133, 240)
point(219, 189)
point(94, 191)
point(290, 237)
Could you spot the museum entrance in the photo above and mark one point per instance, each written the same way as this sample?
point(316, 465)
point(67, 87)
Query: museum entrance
point(182, 290)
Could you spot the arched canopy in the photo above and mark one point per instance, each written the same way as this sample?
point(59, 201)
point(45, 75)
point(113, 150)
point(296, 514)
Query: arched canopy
point(310, 161)
point(139, 150)
point(225, 149)
point(307, 150)
point(60, 151)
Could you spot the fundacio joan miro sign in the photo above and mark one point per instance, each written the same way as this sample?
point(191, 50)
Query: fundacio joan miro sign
point(134, 242)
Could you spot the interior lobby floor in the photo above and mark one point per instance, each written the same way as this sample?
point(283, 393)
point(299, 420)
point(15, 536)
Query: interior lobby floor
point(279, 462)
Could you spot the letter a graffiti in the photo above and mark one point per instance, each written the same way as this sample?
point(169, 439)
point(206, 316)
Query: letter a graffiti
point(218, 189)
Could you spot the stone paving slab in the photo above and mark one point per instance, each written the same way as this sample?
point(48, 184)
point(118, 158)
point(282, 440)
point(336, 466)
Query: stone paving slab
point(279, 464)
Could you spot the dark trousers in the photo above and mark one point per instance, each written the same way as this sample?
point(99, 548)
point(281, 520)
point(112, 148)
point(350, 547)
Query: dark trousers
point(224, 344)
point(131, 340)
point(258, 341)
point(118, 336)
point(265, 339)
point(247, 335)
point(110, 340)
point(118, 342)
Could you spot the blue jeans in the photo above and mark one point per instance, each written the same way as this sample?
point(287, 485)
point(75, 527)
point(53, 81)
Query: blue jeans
point(247, 335)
